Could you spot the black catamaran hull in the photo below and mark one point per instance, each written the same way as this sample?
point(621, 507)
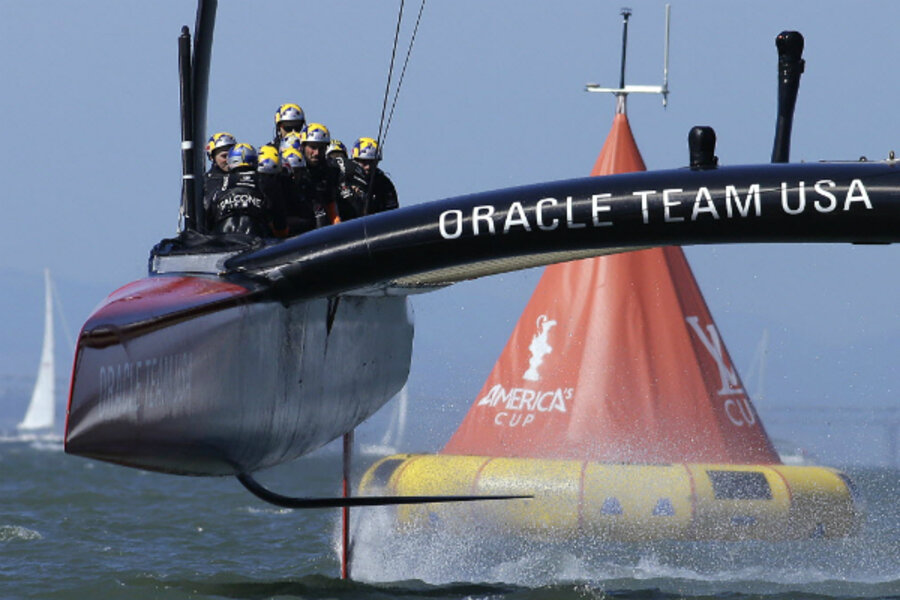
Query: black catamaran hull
point(203, 377)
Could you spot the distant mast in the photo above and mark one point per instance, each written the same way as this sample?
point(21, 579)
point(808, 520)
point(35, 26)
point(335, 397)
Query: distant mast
point(623, 90)
point(41, 409)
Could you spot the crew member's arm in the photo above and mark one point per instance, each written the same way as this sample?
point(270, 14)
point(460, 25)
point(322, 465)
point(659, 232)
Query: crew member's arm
point(389, 197)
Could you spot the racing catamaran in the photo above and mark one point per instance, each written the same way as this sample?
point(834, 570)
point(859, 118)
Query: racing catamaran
point(233, 355)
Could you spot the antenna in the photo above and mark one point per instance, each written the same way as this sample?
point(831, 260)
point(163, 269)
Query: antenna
point(623, 90)
point(626, 12)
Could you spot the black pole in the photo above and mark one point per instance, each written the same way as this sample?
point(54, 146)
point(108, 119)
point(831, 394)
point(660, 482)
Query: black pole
point(790, 67)
point(203, 40)
point(188, 182)
point(626, 12)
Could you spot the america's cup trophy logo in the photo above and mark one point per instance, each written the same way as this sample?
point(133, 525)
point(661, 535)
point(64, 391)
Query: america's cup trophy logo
point(539, 348)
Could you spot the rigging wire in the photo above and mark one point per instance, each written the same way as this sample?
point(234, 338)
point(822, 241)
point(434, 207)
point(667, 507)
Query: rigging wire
point(382, 128)
point(403, 71)
point(387, 87)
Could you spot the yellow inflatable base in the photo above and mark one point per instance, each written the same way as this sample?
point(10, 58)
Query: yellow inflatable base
point(623, 502)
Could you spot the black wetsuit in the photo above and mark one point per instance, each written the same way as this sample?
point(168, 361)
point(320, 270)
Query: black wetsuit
point(321, 186)
point(345, 185)
point(212, 179)
point(278, 190)
point(213, 182)
point(340, 162)
point(242, 207)
point(298, 209)
point(383, 194)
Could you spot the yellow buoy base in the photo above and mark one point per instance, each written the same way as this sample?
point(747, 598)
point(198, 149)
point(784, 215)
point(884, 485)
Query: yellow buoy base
point(623, 502)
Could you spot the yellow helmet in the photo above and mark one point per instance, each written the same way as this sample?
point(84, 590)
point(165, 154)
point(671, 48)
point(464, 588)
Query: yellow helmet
point(219, 141)
point(336, 146)
point(268, 161)
point(292, 158)
point(289, 112)
point(291, 140)
point(315, 133)
point(366, 148)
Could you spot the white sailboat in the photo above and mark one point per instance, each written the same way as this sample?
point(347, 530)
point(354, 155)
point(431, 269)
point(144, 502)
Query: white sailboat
point(756, 374)
point(41, 414)
point(393, 436)
point(789, 452)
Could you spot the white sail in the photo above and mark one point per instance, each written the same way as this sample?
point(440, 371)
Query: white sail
point(756, 374)
point(393, 435)
point(41, 410)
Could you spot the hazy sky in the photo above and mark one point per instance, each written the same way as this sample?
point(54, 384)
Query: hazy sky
point(493, 97)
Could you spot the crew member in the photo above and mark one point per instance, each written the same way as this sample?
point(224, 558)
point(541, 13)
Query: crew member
point(322, 178)
point(337, 152)
point(241, 206)
point(373, 190)
point(288, 118)
point(299, 211)
point(217, 151)
point(275, 185)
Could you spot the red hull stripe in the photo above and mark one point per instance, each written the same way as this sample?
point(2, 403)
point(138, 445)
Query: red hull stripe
point(155, 302)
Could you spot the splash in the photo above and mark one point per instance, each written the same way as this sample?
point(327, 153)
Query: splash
point(10, 533)
point(446, 552)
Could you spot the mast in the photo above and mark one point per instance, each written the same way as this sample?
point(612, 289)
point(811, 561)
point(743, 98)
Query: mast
point(40, 414)
point(193, 76)
point(188, 179)
point(203, 41)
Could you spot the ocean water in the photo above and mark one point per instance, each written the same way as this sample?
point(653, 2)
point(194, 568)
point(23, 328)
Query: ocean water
point(75, 528)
